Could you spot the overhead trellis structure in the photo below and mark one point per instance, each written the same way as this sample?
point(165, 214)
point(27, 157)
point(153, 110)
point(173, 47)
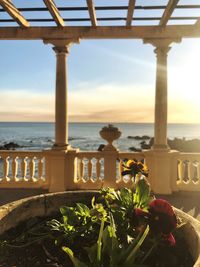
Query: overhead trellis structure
point(91, 20)
point(62, 23)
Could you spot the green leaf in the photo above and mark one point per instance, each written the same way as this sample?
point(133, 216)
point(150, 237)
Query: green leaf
point(83, 209)
point(75, 261)
point(131, 257)
point(126, 197)
point(142, 194)
point(99, 242)
point(93, 202)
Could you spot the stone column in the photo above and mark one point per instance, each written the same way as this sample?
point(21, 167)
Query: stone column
point(61, 158)
point(61, 48)
point(160, 121)
point(160, 126)
point(61, 112)
point(160, 157)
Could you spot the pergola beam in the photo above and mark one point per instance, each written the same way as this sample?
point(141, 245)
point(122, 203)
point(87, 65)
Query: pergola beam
point(84, 8)
point(168, 12)
point(197, 22)
point(107, 32)
point(131, 7)
point(14, 13)
point(92, 12)
point(54, 12)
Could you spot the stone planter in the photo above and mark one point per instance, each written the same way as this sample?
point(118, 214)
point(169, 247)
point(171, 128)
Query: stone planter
point(192, 235)
point(110, 133)
point(48, 204)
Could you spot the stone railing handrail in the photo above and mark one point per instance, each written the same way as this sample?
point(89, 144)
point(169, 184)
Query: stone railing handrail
point(90, 154)
point(131, 155)
point(21, 152)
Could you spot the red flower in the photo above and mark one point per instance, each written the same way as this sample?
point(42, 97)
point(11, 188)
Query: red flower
point(162, 217)
point(170, 239)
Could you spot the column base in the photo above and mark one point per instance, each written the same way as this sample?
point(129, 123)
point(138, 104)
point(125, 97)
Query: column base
point(160, 147)
point(61, 147)
point(160, 170)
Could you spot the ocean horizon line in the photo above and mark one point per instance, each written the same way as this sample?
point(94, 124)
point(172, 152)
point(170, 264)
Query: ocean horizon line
point(104, 122)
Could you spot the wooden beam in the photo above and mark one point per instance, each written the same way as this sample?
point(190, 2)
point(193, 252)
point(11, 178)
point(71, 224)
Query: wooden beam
point(54, 12)
point(131, 7)
point(168, 12)
point(107, 32)
point(92, 12)
point(14, 12)
point(197, 23)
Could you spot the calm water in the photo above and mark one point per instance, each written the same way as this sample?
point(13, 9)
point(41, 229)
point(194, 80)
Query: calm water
point(85, 135)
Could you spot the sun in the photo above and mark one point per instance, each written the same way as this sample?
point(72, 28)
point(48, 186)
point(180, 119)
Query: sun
point(184, 85)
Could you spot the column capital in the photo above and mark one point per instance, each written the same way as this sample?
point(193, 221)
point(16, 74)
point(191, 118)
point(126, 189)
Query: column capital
point(62, 45)
point(161, 43)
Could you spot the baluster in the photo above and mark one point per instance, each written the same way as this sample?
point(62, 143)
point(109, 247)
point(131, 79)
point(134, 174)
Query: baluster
point(80, 169)
point(14, 168)
point(118, 171)
point(195, 179)
point(24, 167)
point(89, 169)
point(32, 168)
point(102, 170)
point(121, 168)
point(3, 162)
point(27, 175)
point(6, 168)
point(93, 176)
point(180, 171)
point(85, 170)
point(40, 168)
point(190, 171)
point(9, 165)
point(98, 169)
point(186, 171)
point(44, 169)
point(19, 173)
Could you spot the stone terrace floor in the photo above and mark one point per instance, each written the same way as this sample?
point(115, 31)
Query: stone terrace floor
point(189, 202)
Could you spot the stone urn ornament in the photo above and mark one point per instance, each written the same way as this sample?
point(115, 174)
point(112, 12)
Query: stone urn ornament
point(110, 133)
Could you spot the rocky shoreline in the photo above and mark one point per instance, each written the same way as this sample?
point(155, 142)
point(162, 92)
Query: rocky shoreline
point(146, 142)
point(10, 146)
point(180, 144)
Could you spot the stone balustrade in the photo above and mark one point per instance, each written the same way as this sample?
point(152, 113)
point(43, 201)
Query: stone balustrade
point(169, 170)
point(186, 172)
point(23, 169)
point(98, 169)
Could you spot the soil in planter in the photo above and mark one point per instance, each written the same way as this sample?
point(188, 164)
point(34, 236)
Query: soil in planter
point(45, 253)
point(172, 256)
point(40, 253)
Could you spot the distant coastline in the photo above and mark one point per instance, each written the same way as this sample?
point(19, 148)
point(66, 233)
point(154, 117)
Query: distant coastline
point(39, 135)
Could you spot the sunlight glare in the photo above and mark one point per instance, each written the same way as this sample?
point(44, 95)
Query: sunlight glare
point(184, 84)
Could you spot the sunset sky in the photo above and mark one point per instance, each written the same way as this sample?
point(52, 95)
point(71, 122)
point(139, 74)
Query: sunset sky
point(108, 81)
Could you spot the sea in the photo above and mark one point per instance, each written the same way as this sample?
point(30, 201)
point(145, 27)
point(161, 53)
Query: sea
point(85, 136)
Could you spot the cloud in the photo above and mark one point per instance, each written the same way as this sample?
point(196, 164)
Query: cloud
point(101, 103)
point(108, 102)
point(25, 105)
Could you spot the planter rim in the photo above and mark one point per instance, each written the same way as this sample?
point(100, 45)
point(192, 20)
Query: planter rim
point(18, 211)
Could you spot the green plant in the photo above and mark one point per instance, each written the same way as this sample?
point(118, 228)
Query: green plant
point(121, 228)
